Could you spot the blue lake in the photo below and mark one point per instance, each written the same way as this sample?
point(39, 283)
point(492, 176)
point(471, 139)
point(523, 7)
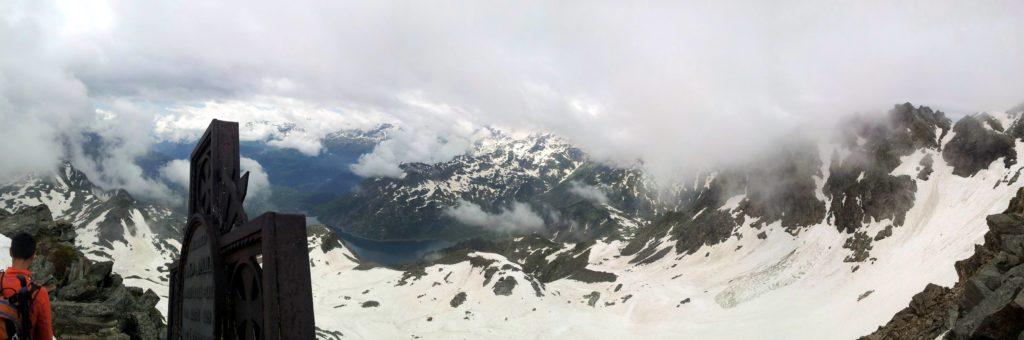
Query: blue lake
point(391, 252)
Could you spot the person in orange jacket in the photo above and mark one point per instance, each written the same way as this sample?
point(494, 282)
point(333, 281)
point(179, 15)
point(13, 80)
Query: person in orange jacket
point(23, 251)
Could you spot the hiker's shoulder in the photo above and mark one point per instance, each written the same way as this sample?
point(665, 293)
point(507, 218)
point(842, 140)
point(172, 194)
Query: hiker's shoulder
point(41, 297)
point(38, 288)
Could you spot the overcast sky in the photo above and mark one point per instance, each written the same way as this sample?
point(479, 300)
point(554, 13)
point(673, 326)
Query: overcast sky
point(679, 85)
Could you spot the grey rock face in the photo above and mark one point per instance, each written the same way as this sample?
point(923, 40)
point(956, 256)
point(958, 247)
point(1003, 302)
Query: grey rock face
point(505, 285)
point(860, 192)
point(882, 234)
point(975, 145)
point(860, 244)
point(926, 167)
point(861, 187)
point(458, 299)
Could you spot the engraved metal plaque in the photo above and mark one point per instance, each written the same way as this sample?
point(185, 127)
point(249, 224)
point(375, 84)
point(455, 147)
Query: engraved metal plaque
point(199, 285)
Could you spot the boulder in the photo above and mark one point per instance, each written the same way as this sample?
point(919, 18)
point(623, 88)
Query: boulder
point(505, 285)
point(458, 299)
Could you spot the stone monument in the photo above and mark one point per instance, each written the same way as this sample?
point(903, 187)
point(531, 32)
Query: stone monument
point(236, 278)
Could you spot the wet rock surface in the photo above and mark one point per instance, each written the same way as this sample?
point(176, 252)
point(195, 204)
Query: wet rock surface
point(987, 302)
point(89, 301)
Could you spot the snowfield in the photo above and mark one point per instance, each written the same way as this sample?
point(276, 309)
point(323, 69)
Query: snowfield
point(781, 287)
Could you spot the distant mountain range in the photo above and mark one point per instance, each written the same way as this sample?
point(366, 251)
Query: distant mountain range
point(541, 171)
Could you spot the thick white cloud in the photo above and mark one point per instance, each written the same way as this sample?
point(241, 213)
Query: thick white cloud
point(124, 129)
point(677, 85)
point(435, 134)
point(281, 122)
point(588, 192)
point(176, 172)
point(519, 218)
point(38, 99)
point(259, 182)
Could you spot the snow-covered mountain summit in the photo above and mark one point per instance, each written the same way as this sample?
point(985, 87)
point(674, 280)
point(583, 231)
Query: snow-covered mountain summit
point(110, 224)
point(498, 173)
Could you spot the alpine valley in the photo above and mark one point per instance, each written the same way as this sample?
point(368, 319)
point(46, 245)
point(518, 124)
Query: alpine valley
point(530, 237)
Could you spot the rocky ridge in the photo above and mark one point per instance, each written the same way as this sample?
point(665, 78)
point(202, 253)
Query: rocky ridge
point(108, 224)
point(783, 218)
point(987, 302)
point(540, 170)
point(89, 301)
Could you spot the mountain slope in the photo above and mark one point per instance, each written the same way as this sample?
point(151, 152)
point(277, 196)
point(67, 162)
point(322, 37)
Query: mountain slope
point(986, 301)
point(499, 172)
point(812, 240)
point(857, 228)
point(88, 300)
point(782, 286)
point(109, 225)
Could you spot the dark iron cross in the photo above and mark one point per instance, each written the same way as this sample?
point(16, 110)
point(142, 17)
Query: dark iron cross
point(236, 278)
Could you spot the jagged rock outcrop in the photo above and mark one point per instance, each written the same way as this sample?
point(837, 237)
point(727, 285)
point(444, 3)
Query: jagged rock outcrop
point(327, 238)
point(861, 186)
point(104, 220)
point(89, 301)
point(778, 188)
point(988, 300)
point(697, 223)
point(978, 140)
